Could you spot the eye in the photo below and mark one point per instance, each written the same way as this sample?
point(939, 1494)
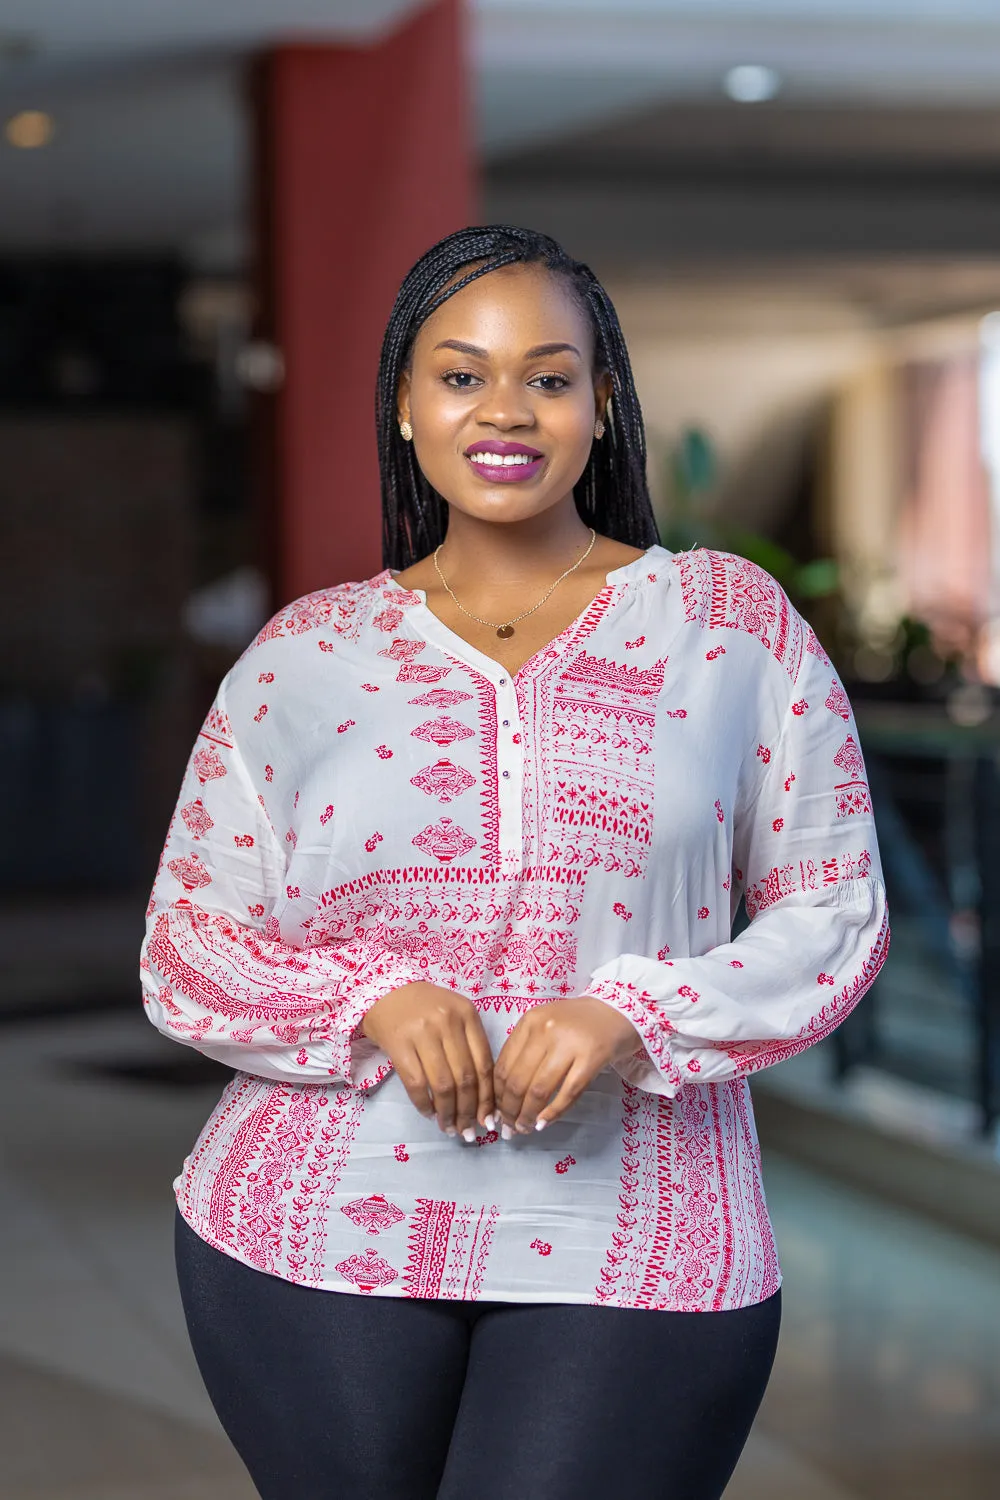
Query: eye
point(460, 380)
point(552, 383)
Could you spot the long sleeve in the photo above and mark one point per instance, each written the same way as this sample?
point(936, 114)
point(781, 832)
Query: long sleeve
point(804, 850)
point(216, 974)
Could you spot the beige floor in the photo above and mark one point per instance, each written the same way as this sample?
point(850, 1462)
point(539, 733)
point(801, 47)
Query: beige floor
point(886, 1387)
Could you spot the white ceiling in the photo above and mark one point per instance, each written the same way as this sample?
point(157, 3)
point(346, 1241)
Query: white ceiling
point(150, 141)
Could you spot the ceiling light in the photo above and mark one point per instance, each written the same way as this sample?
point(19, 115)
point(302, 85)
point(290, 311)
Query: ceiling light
point(751, 83)
point(30, 129)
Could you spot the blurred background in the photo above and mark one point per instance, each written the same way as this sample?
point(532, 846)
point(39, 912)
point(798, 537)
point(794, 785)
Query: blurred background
point(205, 209)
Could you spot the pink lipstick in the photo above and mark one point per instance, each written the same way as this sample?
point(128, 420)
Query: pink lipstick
point(498, 462)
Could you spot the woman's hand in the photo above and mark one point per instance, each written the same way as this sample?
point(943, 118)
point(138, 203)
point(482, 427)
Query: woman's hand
point(562, 1044)
point(438, 1047)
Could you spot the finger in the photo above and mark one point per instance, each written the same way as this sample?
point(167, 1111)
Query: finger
point(440, 1080)
point(549, 1077)
point(573, 1085)
point(520, 1071)
point(479, 1046)
point(464, 1075)
point(506, 1062)
point(502, 1069)
point(414, 1080)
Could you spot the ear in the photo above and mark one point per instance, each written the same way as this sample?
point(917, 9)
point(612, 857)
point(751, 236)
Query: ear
point(603, 388)
point(403, 397)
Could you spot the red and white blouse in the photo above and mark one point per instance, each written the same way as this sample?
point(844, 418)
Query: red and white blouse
point(373, 801)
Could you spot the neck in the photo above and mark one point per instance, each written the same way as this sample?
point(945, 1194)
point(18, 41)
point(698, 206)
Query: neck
point(516, 553)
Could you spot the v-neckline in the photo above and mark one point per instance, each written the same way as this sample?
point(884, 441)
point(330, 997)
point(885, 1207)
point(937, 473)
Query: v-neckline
point(456, 645)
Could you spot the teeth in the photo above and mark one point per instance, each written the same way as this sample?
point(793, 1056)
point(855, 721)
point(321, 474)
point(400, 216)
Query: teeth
point(505, 460)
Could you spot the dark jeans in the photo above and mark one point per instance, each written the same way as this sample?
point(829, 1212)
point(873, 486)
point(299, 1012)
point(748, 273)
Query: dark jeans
point(340, 1396)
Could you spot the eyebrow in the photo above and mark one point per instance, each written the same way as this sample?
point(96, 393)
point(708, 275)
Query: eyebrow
point(538, 352)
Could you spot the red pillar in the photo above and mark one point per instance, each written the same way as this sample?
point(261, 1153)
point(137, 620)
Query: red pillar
point(363, 161)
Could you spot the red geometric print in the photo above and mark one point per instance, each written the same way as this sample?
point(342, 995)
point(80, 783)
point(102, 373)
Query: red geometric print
point(853, 796)
point(373, 1213)
point(721, 591)
point(218, 728)
point(403, 649)
point(442, 698)
point(813, 646)
point(803, 875)
point(471, 1240)
point(414, 671)
point(367, 1271)
point(190, 871)
point(430, 1227)
point(196, 819)
point(593, 673)
point(442, 731)
point(308, 613)
point(488, 732)
point(448, 919)
point(444, 840)
point(850, 760)
point(837, 701)
point(207, 764)
point(596, 758)
point(388, 620)
point(443, 780)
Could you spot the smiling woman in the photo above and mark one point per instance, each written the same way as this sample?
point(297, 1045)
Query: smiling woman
point(540, 336)
point(451, 886)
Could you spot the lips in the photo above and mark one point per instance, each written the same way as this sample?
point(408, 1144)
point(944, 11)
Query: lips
point(502, 462)
point(494, 445)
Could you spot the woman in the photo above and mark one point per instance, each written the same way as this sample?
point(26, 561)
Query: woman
point(454, 863)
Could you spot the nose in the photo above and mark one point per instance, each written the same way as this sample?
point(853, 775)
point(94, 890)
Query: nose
point(505, 405)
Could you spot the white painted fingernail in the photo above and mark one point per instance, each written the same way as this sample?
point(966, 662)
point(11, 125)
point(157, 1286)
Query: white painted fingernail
point(450, 1130)
point(468, 1134)
point(506, 1133)
point(490, 1123)
point(540, 1124)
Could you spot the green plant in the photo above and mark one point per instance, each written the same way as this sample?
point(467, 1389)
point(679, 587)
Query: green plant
point(691, 472)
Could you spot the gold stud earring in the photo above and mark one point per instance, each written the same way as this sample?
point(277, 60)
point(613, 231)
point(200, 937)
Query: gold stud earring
point(599, 430)
point(406, 432)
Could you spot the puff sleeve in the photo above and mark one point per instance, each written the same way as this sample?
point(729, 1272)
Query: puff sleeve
point(216, 974)
point(804, 846)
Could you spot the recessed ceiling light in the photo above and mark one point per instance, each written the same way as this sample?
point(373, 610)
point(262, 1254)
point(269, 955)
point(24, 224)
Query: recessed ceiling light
point(30, 129)
point(751, 83)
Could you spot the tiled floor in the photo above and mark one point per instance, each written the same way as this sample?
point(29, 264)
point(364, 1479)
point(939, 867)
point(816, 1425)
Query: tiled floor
point(886, 1387)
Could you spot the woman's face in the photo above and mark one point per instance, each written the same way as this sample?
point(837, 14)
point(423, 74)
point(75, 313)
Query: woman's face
point(502, 395)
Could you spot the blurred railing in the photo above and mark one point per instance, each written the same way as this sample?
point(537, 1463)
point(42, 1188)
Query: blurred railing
point(933, 1015)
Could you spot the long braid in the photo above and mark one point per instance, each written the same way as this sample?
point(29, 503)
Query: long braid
point(611, 494)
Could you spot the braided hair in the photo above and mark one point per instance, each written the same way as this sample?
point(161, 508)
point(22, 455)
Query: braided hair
point(611, 495)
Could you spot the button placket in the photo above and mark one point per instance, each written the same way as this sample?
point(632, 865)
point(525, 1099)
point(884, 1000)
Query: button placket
point(510, 778)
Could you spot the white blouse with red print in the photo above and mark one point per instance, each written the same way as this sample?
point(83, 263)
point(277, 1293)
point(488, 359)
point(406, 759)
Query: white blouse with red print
point(373, 801)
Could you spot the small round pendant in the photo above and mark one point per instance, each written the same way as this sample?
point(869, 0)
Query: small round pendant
point(505, 632)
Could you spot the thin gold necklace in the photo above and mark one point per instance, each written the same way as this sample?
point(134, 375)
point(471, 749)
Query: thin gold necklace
point(506, 630)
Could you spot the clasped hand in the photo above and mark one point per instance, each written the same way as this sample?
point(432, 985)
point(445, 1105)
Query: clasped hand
point(437, 1044)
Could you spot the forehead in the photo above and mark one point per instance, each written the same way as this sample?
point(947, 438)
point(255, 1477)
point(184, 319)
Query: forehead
point(509, 310)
